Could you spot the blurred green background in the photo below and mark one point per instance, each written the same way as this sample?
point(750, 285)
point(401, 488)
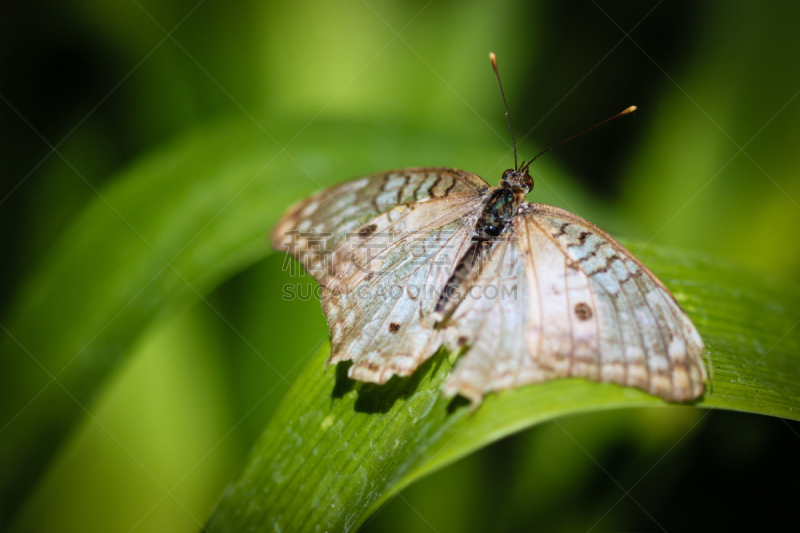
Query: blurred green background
point(336, 89)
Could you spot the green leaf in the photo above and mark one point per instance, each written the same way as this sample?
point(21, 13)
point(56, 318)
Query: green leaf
point(185, 219)
point(162, 235)
point(336, 450)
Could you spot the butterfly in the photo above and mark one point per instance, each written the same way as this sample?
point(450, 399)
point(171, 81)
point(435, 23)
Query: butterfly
point(414, 259)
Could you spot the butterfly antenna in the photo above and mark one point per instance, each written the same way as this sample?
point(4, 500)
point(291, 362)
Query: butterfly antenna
point(631, 109)
point(493, 59)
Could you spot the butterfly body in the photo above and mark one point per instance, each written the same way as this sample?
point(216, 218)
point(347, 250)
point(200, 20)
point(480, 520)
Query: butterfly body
point(499, 208)
point(425, 257)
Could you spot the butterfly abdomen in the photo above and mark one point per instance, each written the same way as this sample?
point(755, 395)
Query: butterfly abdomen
point(467, 269)
point(500, 207)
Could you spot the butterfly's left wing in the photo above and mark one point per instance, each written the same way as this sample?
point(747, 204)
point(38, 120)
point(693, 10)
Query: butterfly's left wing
point(568, 300)
point(326, 217)
point(384, 285)
point(382, 247)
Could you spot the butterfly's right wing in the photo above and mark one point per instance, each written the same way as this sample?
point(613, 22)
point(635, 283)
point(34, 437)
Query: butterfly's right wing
point(568, 300)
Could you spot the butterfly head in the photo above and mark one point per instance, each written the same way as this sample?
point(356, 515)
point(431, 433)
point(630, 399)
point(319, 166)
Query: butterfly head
point(518, 180)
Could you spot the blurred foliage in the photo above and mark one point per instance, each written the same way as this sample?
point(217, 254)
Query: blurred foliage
point(190, 101)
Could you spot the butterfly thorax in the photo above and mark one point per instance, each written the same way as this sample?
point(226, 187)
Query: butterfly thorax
point(499, 208)
point(501, 203)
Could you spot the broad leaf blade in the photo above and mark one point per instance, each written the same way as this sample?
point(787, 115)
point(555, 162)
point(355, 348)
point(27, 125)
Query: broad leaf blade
point(336, 450)
point(162, 235)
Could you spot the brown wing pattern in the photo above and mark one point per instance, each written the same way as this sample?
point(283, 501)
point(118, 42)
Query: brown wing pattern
point(588, 309)
point(382, 247)
point(385, 285)
point(343, 208)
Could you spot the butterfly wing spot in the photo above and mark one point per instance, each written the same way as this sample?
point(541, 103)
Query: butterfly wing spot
point(462, 341)
point(583, 311)
point(394, 327)
point(366, 231)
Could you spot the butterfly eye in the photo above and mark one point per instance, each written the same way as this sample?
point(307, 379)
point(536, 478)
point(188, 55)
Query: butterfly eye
point(528, 181)
point(508, 173)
